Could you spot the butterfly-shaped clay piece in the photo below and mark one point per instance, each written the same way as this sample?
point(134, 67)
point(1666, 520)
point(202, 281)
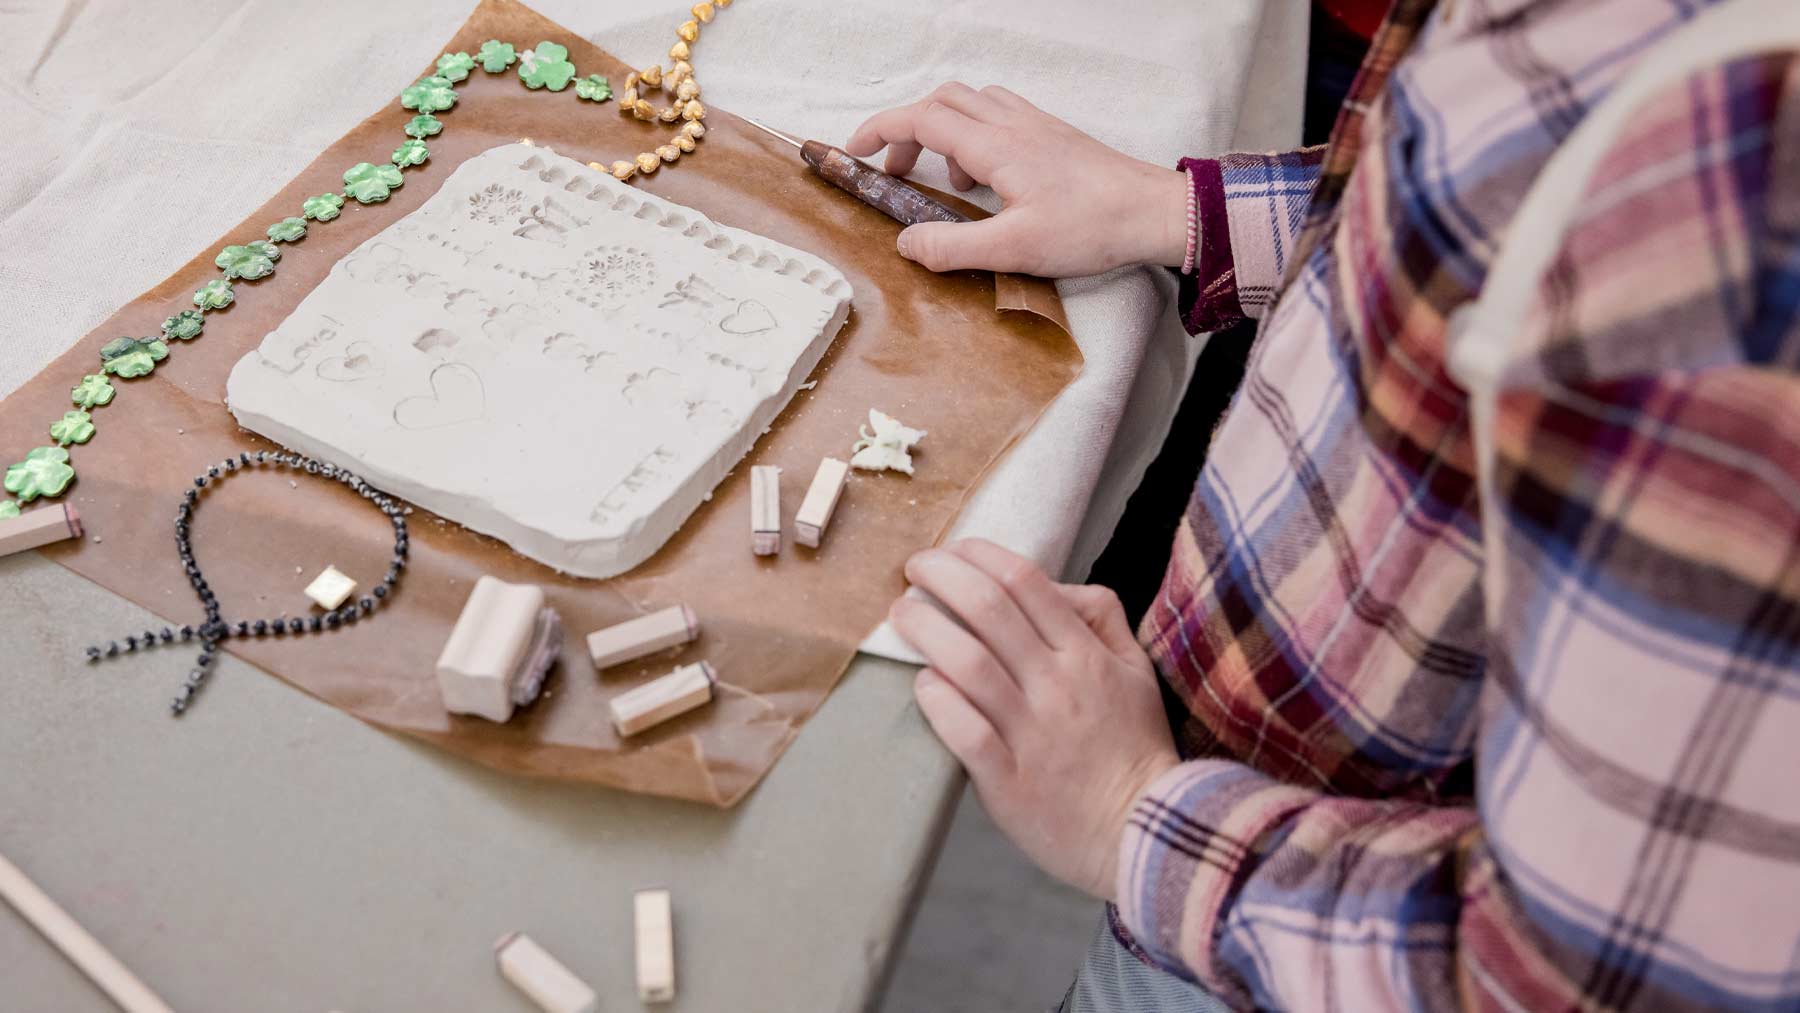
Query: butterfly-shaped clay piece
point(887, 448)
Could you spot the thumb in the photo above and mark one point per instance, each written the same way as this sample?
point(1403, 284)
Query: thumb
point(991, 244)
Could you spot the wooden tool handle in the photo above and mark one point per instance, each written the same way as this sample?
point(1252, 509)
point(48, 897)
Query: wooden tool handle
point(83, 950)
point(876, 189)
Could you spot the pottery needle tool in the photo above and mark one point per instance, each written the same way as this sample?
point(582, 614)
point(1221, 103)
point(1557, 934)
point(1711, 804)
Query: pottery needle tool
point(82, 949)
point(883, 192)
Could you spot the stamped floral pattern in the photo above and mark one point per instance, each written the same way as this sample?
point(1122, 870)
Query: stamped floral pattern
point(496, 205)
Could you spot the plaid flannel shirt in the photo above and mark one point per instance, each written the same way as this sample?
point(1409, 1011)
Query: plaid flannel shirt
point(1597, 804)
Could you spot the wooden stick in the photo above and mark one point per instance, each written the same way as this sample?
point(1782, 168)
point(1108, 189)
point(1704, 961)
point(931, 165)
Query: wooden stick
point(83, 950)
point(672, 695)
point(821, 501)
point(765, 510)
point(39, 527)
point(635, 638)
point(655, 945)
point(535, 972)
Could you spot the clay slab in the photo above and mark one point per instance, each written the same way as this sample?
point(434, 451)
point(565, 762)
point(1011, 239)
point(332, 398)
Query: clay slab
point(546, 355)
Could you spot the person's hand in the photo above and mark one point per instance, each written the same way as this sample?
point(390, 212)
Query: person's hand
point(1045, 697)
point(1073, 205)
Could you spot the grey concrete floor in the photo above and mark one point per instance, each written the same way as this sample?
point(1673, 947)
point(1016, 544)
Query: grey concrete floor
point(993, 934)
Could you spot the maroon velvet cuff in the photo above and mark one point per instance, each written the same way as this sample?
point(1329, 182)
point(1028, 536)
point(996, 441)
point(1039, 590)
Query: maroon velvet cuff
point(1209, 298)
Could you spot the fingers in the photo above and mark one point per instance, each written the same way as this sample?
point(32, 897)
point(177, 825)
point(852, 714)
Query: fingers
point(983, 605)
point(1100, 608)
point(991, 244)
point(959, 177)
point(959, 657)
point(1036, 594)
point(1006, 99)
point(978, 106)
point(928, 124)
point(964, 730)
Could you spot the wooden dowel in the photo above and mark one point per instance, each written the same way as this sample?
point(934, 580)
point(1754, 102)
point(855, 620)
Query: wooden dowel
point(83, 950)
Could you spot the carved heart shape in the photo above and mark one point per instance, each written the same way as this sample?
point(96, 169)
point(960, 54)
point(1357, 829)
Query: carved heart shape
point(751, 317)
point(357, 363)
point(457, 396)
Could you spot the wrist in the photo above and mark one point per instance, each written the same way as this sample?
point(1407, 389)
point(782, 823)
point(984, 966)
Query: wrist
point(1163, 229)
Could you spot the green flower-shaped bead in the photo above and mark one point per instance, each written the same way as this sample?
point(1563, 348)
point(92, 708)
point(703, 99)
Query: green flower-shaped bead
point(411, 152)
point(496, 56)
point(253, 260)
point(424, 125)
point(183, 326)
point(547, 66)
point(8, 509)
point(432, 94)
point(371, 184)
point(93, 390)
point(44, 472)
point(214, 295)
point(455, 66)
point(594, 88)
point(322, 208)
point(129, 357)
point(73, 427)
point(288, 230)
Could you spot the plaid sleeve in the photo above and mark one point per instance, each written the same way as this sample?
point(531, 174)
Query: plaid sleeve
point(1250, 209)
point(1635, 841)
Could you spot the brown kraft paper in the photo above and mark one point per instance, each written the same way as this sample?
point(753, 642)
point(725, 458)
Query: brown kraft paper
point(779, 630)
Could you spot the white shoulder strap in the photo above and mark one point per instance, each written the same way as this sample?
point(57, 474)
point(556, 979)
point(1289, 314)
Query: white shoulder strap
point(1485, 335)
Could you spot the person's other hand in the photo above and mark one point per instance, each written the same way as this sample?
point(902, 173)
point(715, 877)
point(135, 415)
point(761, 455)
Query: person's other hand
point(1045, 697)
point(1073, 205)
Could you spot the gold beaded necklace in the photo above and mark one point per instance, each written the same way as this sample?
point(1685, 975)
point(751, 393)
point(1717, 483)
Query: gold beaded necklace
point(683, 91)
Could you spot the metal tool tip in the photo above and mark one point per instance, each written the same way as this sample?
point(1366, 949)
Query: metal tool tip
point(771, 131)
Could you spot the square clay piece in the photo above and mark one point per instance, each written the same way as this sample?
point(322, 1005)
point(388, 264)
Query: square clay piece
point(546, 355)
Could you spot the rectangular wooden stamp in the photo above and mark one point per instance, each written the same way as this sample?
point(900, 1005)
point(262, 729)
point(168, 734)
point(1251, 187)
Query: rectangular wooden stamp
point(655, 945)
point(500, 650)
point(765, 510)
point(39, 527)
point(535, 972)
point(635, 638)
point(821, 502)
point(674, 694)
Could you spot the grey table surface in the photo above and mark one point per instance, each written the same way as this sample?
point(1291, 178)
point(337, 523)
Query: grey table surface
point(268, 852)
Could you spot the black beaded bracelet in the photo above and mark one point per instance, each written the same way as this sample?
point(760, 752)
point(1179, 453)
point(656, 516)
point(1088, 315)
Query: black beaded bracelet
point(216, 628)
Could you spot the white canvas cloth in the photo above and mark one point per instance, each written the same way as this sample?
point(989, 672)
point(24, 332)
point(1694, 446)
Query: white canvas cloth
point(142, 130)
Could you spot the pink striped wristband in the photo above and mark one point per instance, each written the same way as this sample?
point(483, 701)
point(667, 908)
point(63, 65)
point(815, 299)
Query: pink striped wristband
point(1193, 225)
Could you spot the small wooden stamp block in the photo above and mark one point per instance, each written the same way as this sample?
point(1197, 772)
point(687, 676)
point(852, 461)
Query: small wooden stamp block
point(42, 526)
point(765, 510)
point(672, 695)
point(655, 945)
point(535, 972)
point(644, 635)
point(330, 588)
point(500, 651)
point(821, 501)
